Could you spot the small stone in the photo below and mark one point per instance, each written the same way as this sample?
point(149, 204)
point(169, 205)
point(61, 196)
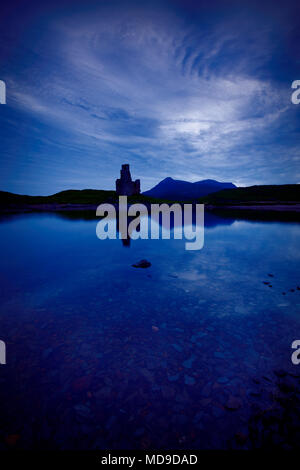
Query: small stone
point(177, 347)
point(205, 402)
point(222, 380)
point(219, 355)
point(142, 264)
point(173, 378)
point(139, 432)
point(12, 439)
point(111, 421)
point(280, 373)
point(271, 275)
point(233, 403)
point(205, 392)
point(255, 394)
point(287, 387)
point(82, 410)
point(241, 438)
point(267, 378)
point(47, 352)
point(292, 290)
point(155, 328)
point(189, 380)
point(167, 391)
point(217, 411)
point(198, 416)
point(188, 363)
point(82, 383)
point(266, 283)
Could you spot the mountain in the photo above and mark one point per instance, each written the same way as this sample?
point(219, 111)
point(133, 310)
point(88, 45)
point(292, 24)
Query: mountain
point(178, 190)
point(71, 196)
point(275, 194)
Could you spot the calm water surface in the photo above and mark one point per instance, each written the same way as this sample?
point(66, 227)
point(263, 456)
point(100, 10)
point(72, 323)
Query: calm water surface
point(85, 369)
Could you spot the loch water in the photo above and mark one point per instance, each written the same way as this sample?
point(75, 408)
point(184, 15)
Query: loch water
point(102, 355)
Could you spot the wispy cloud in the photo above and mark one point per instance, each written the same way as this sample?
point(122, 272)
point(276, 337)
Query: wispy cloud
point(172, 97)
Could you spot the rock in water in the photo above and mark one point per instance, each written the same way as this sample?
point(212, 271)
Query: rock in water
point(142, 264)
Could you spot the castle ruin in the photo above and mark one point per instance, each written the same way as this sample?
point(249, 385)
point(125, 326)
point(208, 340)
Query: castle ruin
point(125, 186)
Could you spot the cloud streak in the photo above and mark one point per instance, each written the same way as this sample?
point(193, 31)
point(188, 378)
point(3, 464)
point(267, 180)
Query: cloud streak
point(172, 97)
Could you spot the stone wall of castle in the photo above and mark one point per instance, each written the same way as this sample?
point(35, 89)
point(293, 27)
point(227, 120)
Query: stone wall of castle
point(124, 185)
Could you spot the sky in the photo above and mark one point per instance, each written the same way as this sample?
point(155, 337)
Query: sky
point(187, 89)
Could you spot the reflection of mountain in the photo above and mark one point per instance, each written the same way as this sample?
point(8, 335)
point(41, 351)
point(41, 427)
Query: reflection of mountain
point(210, 218)
point(178, 190)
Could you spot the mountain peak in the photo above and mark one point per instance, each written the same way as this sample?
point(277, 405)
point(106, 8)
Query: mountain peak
point(179, 190)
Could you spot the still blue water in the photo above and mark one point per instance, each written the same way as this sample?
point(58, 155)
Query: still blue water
point(85, 367)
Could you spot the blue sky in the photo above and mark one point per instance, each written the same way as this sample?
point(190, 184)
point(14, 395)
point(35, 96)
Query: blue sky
point(191, 90)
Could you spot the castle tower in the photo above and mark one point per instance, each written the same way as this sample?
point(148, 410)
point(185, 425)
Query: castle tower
point(124, 185)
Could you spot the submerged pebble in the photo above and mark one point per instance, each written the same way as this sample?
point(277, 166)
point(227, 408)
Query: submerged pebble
point(189, 380)
point(142, 264)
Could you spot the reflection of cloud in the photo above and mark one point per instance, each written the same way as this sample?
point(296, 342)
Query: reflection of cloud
point(171, 97)
point(191, 275)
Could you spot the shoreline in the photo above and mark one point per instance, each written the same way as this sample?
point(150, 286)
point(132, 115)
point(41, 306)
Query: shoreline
point(290, 207)
point(259, 207)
